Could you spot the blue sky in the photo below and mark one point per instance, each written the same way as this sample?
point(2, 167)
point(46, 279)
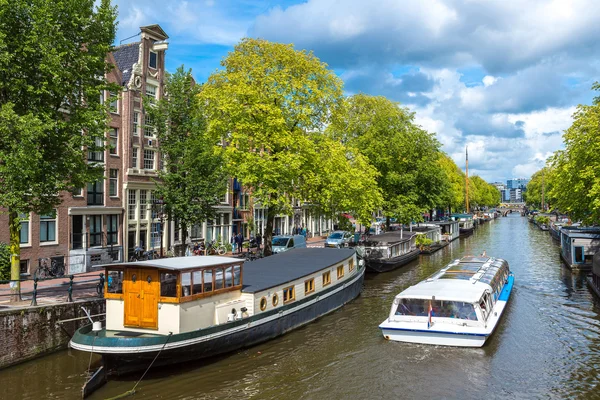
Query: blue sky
point(501, 77)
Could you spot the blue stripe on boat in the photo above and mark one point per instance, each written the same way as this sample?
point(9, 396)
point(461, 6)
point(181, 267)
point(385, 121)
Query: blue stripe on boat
point(507, 289)
point(430, 331)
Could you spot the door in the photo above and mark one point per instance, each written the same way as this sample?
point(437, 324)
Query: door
point(77, 238)
point(141, 298)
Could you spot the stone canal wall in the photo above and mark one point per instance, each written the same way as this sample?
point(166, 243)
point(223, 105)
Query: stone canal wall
point(30, 332)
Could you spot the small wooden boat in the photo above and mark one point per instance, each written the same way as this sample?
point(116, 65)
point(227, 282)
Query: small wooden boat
point(460, 305)
point(188, 308)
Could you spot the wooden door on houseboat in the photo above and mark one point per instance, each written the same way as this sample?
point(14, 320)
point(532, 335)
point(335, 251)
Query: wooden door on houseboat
point(141, 298)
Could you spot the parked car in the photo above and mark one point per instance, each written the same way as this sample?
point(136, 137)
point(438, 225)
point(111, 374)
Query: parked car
point(339, 239)
point(283, 243)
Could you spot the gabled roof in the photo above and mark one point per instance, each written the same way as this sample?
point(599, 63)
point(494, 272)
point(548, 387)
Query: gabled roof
point(155, 31)
point(125, 56)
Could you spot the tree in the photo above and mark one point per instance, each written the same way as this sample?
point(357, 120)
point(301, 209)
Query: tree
point(194, 177)
point(405, 155)
point(575, 171)
point(482, 194)
point(454, 196)
point(4, 262)
point(52, 68)
point(539, 184)
point(266, 103)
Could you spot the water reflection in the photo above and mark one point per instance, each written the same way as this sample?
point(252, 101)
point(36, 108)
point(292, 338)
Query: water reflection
point(546, 346)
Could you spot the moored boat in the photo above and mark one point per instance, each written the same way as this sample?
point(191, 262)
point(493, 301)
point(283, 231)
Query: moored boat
point(188, 308)
point(389, 250)
point(460, 305)
point(465, 223)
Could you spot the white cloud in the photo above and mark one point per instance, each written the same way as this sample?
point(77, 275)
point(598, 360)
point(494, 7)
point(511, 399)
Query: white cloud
point(489, 80)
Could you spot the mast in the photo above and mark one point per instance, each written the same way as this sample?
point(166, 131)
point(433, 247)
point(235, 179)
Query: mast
point(467, 179)
point(543, 205)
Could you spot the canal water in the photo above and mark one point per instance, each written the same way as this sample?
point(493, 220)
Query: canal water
point(546, 346)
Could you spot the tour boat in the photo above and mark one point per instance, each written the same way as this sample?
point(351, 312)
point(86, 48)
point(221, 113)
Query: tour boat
point(460, 305)
point(187, 308)
point(389, 250)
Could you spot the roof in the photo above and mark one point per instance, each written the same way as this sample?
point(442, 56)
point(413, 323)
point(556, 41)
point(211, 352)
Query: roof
point(390, 237)
point(446, 289)
point(125, 56)
point(288, 266)
point(179, 263)
point(462, 216)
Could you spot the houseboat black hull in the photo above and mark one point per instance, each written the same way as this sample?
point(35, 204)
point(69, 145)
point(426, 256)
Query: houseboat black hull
point(385, 265)
point(555, 234)
point(464, 232)
point(126, 357)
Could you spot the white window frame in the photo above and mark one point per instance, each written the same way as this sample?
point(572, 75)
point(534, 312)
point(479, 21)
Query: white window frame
point(147, 152)
point(131, 205)
point(135, 155)
point(136, 123)
point(114, 104)
point(149, 130)
point(45, 220)
point(143, 204)
point(113, 180)
point(152, 94)
point(113, 137)
point(25, 218)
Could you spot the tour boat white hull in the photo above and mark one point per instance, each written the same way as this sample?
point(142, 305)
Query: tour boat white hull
point(434, 337)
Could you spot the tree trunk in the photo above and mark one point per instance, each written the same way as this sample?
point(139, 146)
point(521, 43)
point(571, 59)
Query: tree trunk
point(15, 255)
point(387, 223)
point(268, 236)
point(183, 227)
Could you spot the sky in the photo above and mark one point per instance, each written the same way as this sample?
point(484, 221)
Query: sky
point(502, 78)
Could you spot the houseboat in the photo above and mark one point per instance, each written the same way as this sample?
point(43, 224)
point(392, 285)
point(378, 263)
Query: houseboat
point(594, 278)
point(460, 305)
point(389, 250)
point(578, 245)
point(555, 230)
point(188, 308)
point(432, 232)
point(465, 223)
point(450, 230)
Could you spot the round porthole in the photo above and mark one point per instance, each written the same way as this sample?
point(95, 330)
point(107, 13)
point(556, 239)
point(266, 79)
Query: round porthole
point(275, 300)
point(263, 304)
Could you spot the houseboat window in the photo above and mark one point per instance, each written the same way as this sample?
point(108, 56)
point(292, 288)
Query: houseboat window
point(237, 275)
point(326, 278)
point(186, 284)
point(289, 294)
point(197, 282)
point(229, 277)
point(263, 304)
point(208, 280)
point(219, 278)
point(439, 308)
point(309, 286)
point(579, 257)
point(275, 299)
point(340, 271)
point(168, 284)
point(351, 265)
point(114, 281)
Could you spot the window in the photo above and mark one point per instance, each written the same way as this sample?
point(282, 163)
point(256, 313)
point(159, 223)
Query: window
point(95, 193)
point(114, 281)
point(289, 294)
point(229, 277)
point(168, 284)
point(77, 192)
point(113, 182)
point(237, 275)
point(134, 157)
point(96, 152)
point(113, 141)
point(136, 123)
point(197, 282)
point(326, 278)
point(151, 93)
point(351, 265)
point(155, 235)
point(149, 159)
point(153, 61)
point(95, 230)
point(309, 286)
point(48, 227)
point(131, 205)
point(263, 304)
point(112, 230)
point(340, 271)
point(219, 278)
point(208, 280)
point(143, 199)
point(579, 255)
point(24, 267)
point(148, 126)
point(186, 284)
point(114, 103)
point(24, 233)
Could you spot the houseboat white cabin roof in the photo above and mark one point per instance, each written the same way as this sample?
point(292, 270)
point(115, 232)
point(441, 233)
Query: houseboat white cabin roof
point(180, 263)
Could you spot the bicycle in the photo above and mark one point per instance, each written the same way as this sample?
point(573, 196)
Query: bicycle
point(48, 269)
point(216, 248)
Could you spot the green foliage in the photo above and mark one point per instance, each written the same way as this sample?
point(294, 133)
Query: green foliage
point(542, 219)
point(423, 241)
point(4, 262)
point(454, 196)
point(575, 171)
point(194, 177)
point(482, 194)
point(406, 156)
point(344, 223)
point(541, 182)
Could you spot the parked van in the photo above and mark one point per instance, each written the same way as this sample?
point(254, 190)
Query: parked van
point(283, 243)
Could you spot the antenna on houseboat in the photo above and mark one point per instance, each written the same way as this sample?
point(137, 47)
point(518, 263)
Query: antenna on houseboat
point(467, 178)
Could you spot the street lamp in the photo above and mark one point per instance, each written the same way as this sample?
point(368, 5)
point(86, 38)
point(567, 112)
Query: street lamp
point(158, 207)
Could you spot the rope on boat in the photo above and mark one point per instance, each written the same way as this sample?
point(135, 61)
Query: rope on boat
point(91, 354)
point(132, 391)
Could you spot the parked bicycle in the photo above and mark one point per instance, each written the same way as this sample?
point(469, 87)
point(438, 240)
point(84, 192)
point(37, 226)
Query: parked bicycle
point(49, 268)
point(139, 254)
point(215, 248)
